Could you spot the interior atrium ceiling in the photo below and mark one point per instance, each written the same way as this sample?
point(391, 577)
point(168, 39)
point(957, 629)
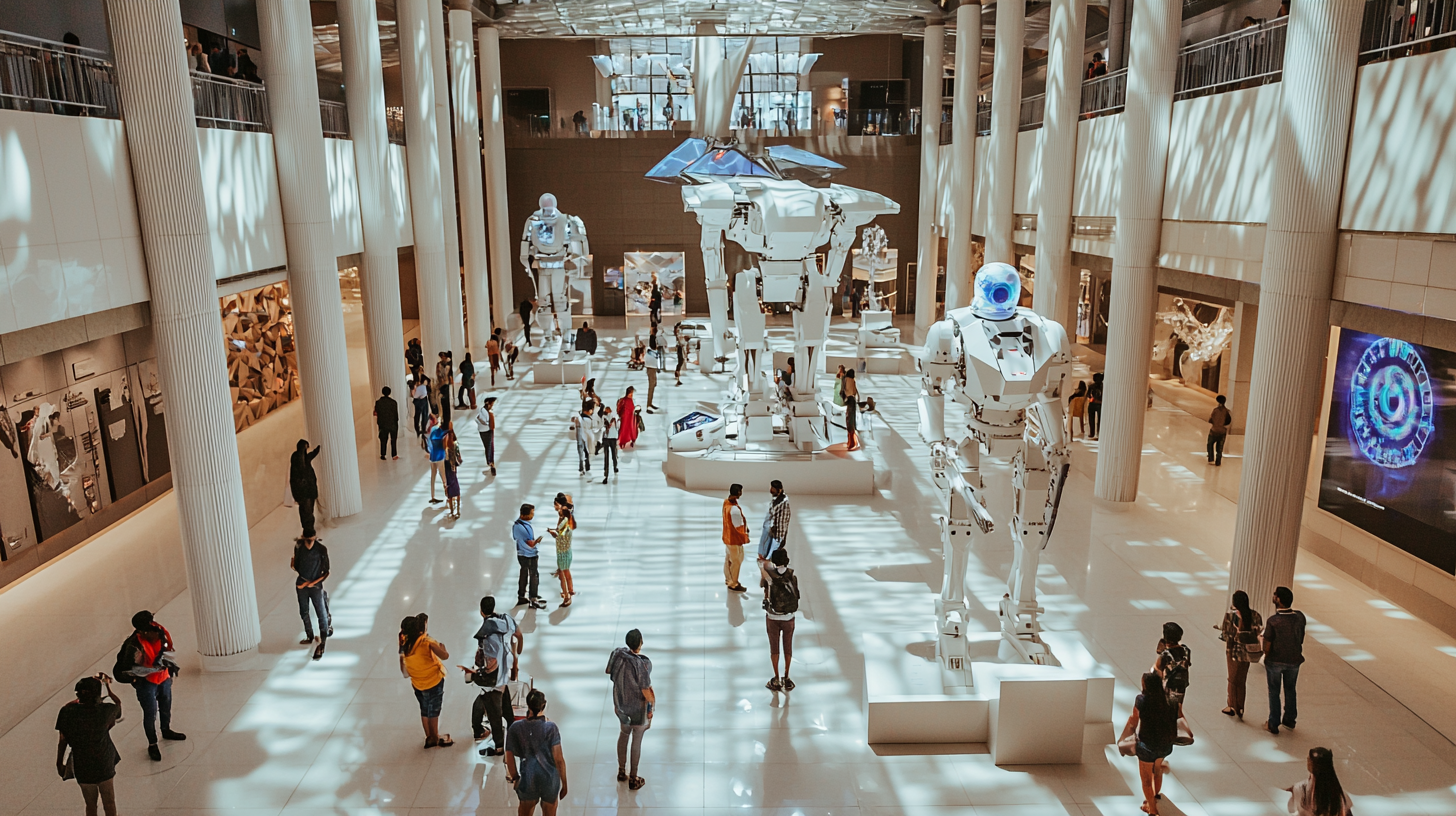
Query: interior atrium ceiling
point(616, 18)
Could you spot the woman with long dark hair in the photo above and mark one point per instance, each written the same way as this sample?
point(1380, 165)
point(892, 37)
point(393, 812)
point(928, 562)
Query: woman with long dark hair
point(851, 409)
point(1320, 793)
point(1155, 722)
point(1240, 635)
point(420, 660)
point(536, 743)
point(566, 523)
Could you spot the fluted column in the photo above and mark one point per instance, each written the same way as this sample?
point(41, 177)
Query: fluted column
point(498, 221)
point(467, 166)
point(441, 75)
point(958, 271)
point(308, 232)
point(161, 138)
point(1294, 292)
point(422, 149)
point(927, 259)
point(1142, 165)
point(1056, 279)
point(379, 276)
point(1005, 123)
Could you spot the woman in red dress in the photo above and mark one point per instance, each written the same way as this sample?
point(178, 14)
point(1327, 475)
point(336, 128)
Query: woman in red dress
point(627, 415)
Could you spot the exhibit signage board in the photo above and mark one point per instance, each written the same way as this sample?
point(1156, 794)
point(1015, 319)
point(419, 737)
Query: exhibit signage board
point(1390, 455)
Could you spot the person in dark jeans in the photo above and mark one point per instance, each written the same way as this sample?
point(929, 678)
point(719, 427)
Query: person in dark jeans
point(499, 642)
point(1094, 406)
point(145, 661)
point(303, 482)
point(1218, 425)
point(386, 416)
point(1283, 653)
point(485, 424)
point(527, 556)
point(311, 562)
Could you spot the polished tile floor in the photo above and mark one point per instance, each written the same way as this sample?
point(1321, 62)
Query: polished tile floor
point(342, 735)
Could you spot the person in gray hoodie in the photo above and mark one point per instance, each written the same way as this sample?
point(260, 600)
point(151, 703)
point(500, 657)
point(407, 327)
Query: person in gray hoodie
point(633, 700)
point(499, 642)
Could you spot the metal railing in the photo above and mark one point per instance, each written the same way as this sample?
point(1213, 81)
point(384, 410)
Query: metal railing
point(335, 119)
point(983, 116)
point(394, 124)
point(1094, 227)
point(947, 132)
point(1033, 110)
point(1398, 28)
point(42, 76)
point(1105, 94)
point(1243, 58)
point(230, 104)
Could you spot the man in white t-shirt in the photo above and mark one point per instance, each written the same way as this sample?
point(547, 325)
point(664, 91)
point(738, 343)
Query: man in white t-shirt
point(485, 423)
point(611, 427)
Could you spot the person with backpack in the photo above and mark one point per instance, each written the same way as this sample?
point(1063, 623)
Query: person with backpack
point(780, 602)
point(1173, 662)
point(85, 726)
point(498, 642)
point(146, 662)
point(633, 700)
point(311, 562)
point(1283, 654)
point(1240, 636)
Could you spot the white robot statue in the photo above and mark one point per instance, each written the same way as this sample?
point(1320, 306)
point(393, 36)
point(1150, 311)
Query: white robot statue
point(554, 249)
point(761, 204)
point(875, 328)
point(1006, 366)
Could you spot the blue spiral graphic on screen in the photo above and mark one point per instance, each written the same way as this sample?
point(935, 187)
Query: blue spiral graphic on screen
point(1391, 406)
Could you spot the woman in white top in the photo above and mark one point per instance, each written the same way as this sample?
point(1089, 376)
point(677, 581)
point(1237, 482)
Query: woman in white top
point(582, 424)
point(485, 423)
point(611, 428)
point(420, 394)
point(1319, 794)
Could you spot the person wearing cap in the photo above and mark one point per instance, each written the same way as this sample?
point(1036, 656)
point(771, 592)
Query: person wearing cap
point(85, 726)
point(146, 661)
point(311, 562)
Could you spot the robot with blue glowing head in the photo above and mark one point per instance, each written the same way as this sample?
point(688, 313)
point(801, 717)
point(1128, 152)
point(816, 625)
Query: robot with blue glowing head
point(554, 250)
point(1006, 366)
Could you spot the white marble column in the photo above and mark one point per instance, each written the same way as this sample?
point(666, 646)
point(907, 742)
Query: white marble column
point(958, 266)
point(498, 220)
point(1056, 279)
point(1005, 123)
point(441, 74)
point(1292, 337)
point(422, 150)
point(308, 231)
point(379, 275)
point(467, 166)
point(1142, 165)
point(161, 138)
point(927, 258)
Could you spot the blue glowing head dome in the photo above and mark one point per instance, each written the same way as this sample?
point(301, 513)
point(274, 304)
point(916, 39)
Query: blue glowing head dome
point(998, 290)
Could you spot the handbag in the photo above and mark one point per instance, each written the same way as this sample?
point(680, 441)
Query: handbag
point(1127, 746)
point(1253, 647)
point(68, 770)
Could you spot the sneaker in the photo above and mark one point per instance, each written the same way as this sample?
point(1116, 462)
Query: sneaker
point(154, 752)
point(538, 604)
point(331, 631)
point(1273, 729)
point(788, 684)
point(175, 736)
point(774, 685)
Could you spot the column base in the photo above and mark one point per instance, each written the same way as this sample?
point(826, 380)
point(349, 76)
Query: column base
point(1113, 506)
point(242, 661)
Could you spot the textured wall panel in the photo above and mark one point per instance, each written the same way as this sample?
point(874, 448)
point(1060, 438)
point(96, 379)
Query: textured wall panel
point(1057, 281)
point(1005, 118)
point(241, 194)
point(927, 256)
point(467, 168)
point(162, 136)
point(313, 278)
point(1294, 299)
point(379, 276)
point(1142, 166)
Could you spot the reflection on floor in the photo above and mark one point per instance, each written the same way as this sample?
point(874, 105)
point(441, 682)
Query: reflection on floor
point(343, 735)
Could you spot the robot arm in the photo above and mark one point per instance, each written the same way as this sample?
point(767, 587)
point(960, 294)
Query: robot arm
point(717, 281)
point(580, 247)
point(526, 245)
point(937, 373)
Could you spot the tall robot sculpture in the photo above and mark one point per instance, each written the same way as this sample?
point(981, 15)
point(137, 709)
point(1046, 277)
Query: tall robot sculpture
point(763, 203)
point(1006, 367)
point(554, 249)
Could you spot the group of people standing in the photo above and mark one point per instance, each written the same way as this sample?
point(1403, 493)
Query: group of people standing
point(598, 428)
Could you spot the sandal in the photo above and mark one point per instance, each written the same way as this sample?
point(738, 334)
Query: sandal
point(565, 603)
point(621, 775)
point(1229, 712)
point(430, 743)
point(636, 783)
point(445, 742)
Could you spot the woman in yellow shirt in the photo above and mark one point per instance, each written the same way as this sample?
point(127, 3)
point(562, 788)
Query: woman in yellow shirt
point(420, 659)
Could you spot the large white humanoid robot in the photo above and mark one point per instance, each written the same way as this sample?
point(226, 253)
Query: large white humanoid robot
point(1005, 366)
point(762, 204)
point(554, 249)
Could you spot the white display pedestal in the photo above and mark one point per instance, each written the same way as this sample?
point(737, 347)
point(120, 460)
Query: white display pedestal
point(838, 472)
point(561, 373)
point(1025, 714)
point(894, 360)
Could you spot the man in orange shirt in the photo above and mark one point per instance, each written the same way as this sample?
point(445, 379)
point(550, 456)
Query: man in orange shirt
point(735, 535)
point(493, 353)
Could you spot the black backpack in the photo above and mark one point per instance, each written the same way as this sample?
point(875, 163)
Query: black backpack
point(125, 662)
point(783, 598)
point(1175, 675)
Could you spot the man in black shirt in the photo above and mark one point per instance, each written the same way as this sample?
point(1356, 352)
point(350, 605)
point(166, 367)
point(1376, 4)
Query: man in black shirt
point(311, 562)
point(386, 416)
point(85, 725)
point(527, 307)
point(1283, 653)
point(1094, 406)
point(586, 338)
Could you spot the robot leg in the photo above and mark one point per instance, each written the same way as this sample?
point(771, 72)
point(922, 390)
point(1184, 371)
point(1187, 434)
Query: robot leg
point(1020, 626)
point(560, 299)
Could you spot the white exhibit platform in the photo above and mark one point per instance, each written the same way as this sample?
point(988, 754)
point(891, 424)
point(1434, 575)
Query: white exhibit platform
point(1025, 714)
point(832, 472)
point(559, 373)
point(887, 360)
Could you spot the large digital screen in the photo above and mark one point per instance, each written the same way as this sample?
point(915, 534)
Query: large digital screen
point(1390, 456)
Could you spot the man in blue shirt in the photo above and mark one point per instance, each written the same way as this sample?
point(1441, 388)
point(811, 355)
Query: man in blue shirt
point(526, 555)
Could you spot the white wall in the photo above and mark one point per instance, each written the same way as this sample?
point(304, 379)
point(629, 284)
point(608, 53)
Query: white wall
point(1028, 170)
point(1098, 145)
point(1401, 175)
point(69, 237)
point(983, 195)
point(344, 196)
point(399, 188)
point(1221, 156)
point(244, 214)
